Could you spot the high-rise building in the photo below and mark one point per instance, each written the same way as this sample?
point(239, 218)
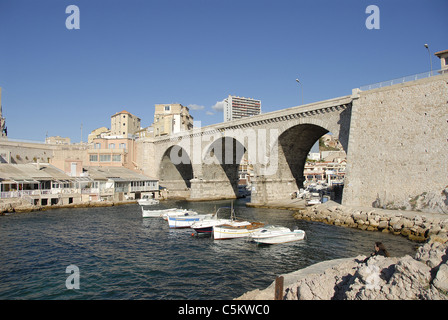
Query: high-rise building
point(171, 118)
point(240, 107)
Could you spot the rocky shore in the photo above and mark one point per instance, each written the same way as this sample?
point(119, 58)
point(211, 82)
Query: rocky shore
point(416, 226)
point(422, 277)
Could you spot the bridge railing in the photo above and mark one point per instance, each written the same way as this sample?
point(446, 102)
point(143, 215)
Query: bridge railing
point(403, 79)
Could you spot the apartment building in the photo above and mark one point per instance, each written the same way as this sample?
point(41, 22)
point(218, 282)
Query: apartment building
point(171, 118)
point(124, 124)
point(112, 151)
point(240, 107)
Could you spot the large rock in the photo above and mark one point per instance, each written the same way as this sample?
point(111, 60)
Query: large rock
point(441, 279)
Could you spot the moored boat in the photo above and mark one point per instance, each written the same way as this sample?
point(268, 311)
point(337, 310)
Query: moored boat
point(186, 220)
point(147, 201)
point(313, 201)
point(276, 234)
point(160, 212)
point(206, 225)
point(235, 229)
point(178, 212)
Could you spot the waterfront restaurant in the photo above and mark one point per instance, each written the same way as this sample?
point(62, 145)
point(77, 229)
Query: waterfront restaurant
point(37, 183)
point(118, 184)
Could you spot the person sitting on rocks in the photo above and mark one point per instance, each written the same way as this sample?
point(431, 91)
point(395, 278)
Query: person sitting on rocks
point(380, 250)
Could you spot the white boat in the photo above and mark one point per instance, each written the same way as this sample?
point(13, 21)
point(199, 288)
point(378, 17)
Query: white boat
point(177, 212)
point(147, 201)
point(205, 226)
point(159, 212)
point(313, 201)
point(276, 234)
point(235, 229)
point(186, 220)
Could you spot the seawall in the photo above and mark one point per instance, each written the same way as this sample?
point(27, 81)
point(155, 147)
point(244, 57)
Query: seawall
point(416, 226)
point(18, 206)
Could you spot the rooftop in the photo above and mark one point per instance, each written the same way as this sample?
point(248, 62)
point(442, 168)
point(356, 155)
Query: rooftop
point(441, 53)
point(115, 173)
point(31, 172)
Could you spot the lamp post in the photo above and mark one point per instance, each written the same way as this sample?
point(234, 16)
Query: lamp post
point(429, 52)
point(301, 84)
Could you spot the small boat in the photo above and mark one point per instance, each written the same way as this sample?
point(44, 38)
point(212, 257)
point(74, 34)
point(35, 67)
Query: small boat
point(313, 201)
point(147, 201)
point(235, 228)
point(160, 212)
point(186, 220)
point(206, 225)
point(276, 234)
point(177, 212)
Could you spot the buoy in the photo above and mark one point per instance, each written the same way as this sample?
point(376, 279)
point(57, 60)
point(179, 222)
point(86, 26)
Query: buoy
point(192, 234)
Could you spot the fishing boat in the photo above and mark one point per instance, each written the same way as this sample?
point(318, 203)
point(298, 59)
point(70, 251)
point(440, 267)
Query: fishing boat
point(146, 213)
point(276, 234)
point(147, 201)
point(186, 220)
point(235, 228)
point(205, 226)
point(177, 212)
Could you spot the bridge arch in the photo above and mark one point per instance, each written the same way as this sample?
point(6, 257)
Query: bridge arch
point(176, 171)
point(221, 161)
point(290, 152)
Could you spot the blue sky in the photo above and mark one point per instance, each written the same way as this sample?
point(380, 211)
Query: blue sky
point(130, 55)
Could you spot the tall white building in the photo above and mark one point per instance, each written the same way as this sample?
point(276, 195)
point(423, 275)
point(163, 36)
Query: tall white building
point(240, 107)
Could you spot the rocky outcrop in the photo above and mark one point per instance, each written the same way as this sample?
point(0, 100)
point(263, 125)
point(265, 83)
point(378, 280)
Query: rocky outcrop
point(414, 226)
point(424, 277)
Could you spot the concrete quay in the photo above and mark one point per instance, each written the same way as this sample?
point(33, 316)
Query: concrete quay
point(19, 206)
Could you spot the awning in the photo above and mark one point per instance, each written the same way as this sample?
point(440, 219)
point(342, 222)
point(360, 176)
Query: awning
point(20, 181)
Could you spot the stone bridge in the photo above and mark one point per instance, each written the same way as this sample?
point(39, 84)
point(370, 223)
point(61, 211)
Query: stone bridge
point(203, 163)
point(395, 139)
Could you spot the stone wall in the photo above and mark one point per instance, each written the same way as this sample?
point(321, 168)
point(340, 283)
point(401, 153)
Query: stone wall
point(398, 146)
point(413, 225)
point(25, 152)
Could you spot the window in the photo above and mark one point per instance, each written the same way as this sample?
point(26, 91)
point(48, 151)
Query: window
point(167, 108)
point(111, 145)
point(122, 146)
point(104, 157)
point(116, 157)
point(97, 146)
point(93, 158)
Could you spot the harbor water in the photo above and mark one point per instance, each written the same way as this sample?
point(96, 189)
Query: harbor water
point(121, 255)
